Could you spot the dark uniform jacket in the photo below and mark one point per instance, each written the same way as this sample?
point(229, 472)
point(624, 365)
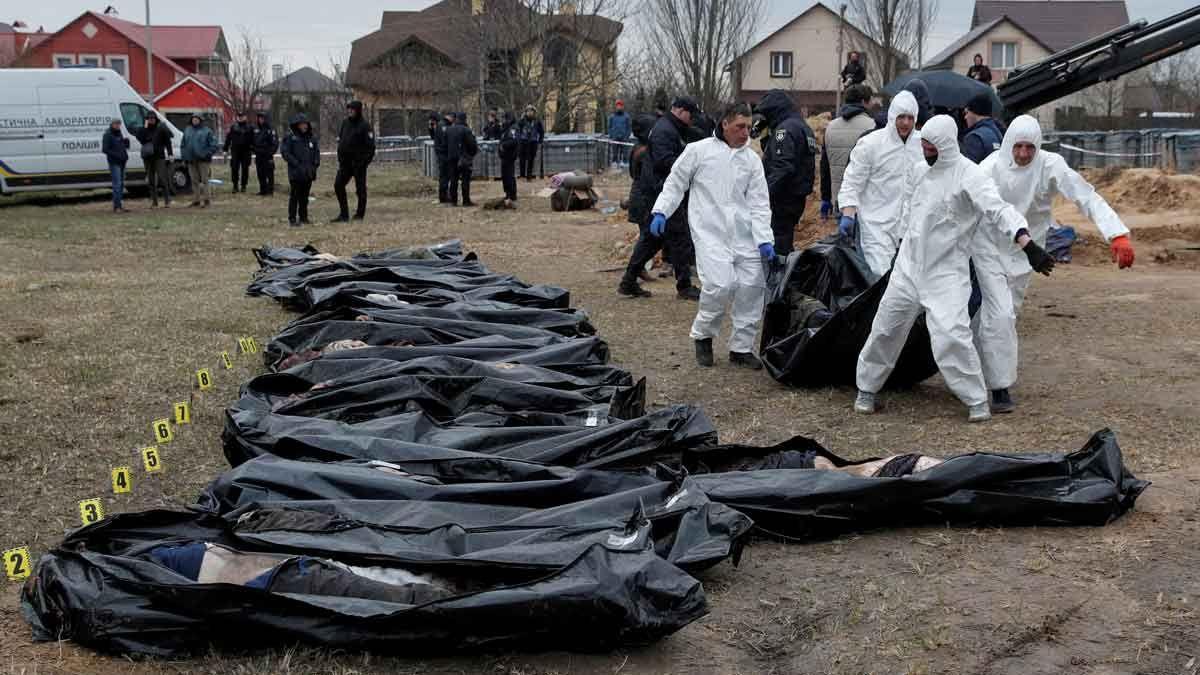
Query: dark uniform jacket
point(530, 131)
point(460, 145)
point(159, 136)
point(301, 152)
point(240, 137)
point(439, 138)
point(356, 142)
point(266, 141)
point(508, 141)
point(492, 130)
point(853, 73)
point(115, 147)
point(982, 140)
point(789, 157)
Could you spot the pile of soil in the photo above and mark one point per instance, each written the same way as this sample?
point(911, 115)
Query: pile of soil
point(1146, 190)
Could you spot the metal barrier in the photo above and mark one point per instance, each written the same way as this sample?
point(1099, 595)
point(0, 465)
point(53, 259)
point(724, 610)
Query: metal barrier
point(558, 153)
point(1145, 148)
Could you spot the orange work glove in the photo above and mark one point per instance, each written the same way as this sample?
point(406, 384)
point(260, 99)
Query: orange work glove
point(1122, 252)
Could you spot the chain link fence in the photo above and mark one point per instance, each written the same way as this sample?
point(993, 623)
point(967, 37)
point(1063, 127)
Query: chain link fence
point(1170, 149)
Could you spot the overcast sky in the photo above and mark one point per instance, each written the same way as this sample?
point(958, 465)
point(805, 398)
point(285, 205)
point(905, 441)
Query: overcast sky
point(312, 32)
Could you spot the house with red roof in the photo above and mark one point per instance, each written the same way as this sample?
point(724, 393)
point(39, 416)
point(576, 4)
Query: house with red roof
point(190, 63)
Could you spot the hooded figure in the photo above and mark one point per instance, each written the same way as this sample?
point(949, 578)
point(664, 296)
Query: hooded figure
point(461, 148)
point(197, 148)
point(789, 161)
point(266, 142)
point(239, 145)
point(920, 92)
point(1001, 268)
point(881, 163)
point(841, 135)
point(355, 151)
point(942, 205)
point(730, 215)
point(302, 155)
point(639, 203)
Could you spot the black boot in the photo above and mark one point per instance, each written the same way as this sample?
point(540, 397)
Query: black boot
point(689, 293)
point(745, 360)
point(704, 354)
point(1002, 402)
point(633, 291)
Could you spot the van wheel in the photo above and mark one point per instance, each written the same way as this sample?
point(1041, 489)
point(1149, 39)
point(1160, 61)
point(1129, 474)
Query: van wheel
point(180, 179)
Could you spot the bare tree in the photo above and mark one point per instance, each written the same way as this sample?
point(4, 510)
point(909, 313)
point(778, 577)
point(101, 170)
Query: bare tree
point(1177, 80)
point(899, 29)
point(247, 73)
point(698, 38)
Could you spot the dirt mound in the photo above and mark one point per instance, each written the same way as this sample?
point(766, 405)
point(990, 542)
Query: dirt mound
point(1146, 190)
point(1174, 245)
point(818, 123)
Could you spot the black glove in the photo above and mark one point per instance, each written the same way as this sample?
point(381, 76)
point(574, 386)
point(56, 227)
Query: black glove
point(1039, 260)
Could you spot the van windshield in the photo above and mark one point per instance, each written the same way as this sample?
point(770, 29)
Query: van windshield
point(134, 115)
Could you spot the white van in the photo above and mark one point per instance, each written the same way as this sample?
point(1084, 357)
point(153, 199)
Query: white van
point(51, 124)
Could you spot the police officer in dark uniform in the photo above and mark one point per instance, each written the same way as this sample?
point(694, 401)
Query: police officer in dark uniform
point(440, 151)
point(666, 144)
point(356, 149)
point(239, 145)
point(461, 148)
point(789, 161)
point(265, 143)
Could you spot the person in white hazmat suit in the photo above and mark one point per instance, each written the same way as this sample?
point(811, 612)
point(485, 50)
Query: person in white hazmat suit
point(947, 199)
point(880, 165)
point(1028, 178)
point(729, 210)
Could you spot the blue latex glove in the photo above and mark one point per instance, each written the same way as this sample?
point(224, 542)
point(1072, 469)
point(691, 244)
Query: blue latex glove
point(767, 251)
point(658, 224)
point(846, 226)
point(826, 209)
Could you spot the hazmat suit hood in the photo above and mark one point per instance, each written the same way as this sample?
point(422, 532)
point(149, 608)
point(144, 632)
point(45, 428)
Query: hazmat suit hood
point(942, 132)
point(1024, 129)
point(775, 107)
point(904, 103)
point(920, 92)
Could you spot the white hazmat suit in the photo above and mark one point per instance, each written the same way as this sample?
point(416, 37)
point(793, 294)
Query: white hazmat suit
point(1001, 268)
point(729, 212)
point(881, 163)
point(941, 208)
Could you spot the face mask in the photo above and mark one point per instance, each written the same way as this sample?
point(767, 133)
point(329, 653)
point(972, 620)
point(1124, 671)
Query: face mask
point(931, 160)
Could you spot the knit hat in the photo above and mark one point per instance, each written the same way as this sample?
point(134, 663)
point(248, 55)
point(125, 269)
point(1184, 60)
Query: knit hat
point(981, 105)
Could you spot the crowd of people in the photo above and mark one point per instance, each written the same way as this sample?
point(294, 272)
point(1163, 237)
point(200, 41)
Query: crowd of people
point(299, 150)
point(958, 217)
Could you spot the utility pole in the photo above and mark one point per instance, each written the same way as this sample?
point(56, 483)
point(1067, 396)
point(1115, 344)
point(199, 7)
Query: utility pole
point(920, 32)
point(149, 53)
point(477, 9)
point(841, 58)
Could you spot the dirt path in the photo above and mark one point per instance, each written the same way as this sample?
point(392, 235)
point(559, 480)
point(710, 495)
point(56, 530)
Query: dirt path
point(89, 360)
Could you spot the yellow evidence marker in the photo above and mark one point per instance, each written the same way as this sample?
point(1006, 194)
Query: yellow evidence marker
point(91, 510)
point(122, 479)
point(16, 563)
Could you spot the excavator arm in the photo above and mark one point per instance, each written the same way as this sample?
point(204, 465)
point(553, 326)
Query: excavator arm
point(1103, 58)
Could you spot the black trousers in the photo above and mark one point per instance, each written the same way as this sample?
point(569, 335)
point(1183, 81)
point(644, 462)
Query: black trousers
point(528, 153)
point(676, 238)
point(264, 166)
point(443, 179)
point(508, 177)
point(462, 175)
point(298, 199)
point(783, 225)
point(239, 163)
point(359, 173)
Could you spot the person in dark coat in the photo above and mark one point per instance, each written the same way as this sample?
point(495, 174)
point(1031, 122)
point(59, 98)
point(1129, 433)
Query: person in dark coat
point(439, 151)
point(115, 147)
point(920, 91)
point(492, 129)
point(980, 72)
point(508, 156)
point(530, 134)
point(853, 72)
point(355, 150)
point(239, 145)
point(789, 162)
point(664, 145)
point(984, 135)
point(157, 138)
point(303, 155)
point(461, 149)
point(265, 143)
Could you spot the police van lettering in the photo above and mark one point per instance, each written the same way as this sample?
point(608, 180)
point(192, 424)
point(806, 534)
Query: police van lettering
point(81, 146)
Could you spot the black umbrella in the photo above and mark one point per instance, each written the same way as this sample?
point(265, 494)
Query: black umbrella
point(947, 89)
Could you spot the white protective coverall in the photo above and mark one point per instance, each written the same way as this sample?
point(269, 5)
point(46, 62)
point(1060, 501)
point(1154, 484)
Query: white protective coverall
point(729, 212)
point(1001, 268)
point(941, 208)
point(880, 166)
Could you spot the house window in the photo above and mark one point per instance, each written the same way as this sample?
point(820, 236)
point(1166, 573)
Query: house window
point(1004, 55)
point(781, 64)
point(119, 64)
point(64, 60)
point(89, 60)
